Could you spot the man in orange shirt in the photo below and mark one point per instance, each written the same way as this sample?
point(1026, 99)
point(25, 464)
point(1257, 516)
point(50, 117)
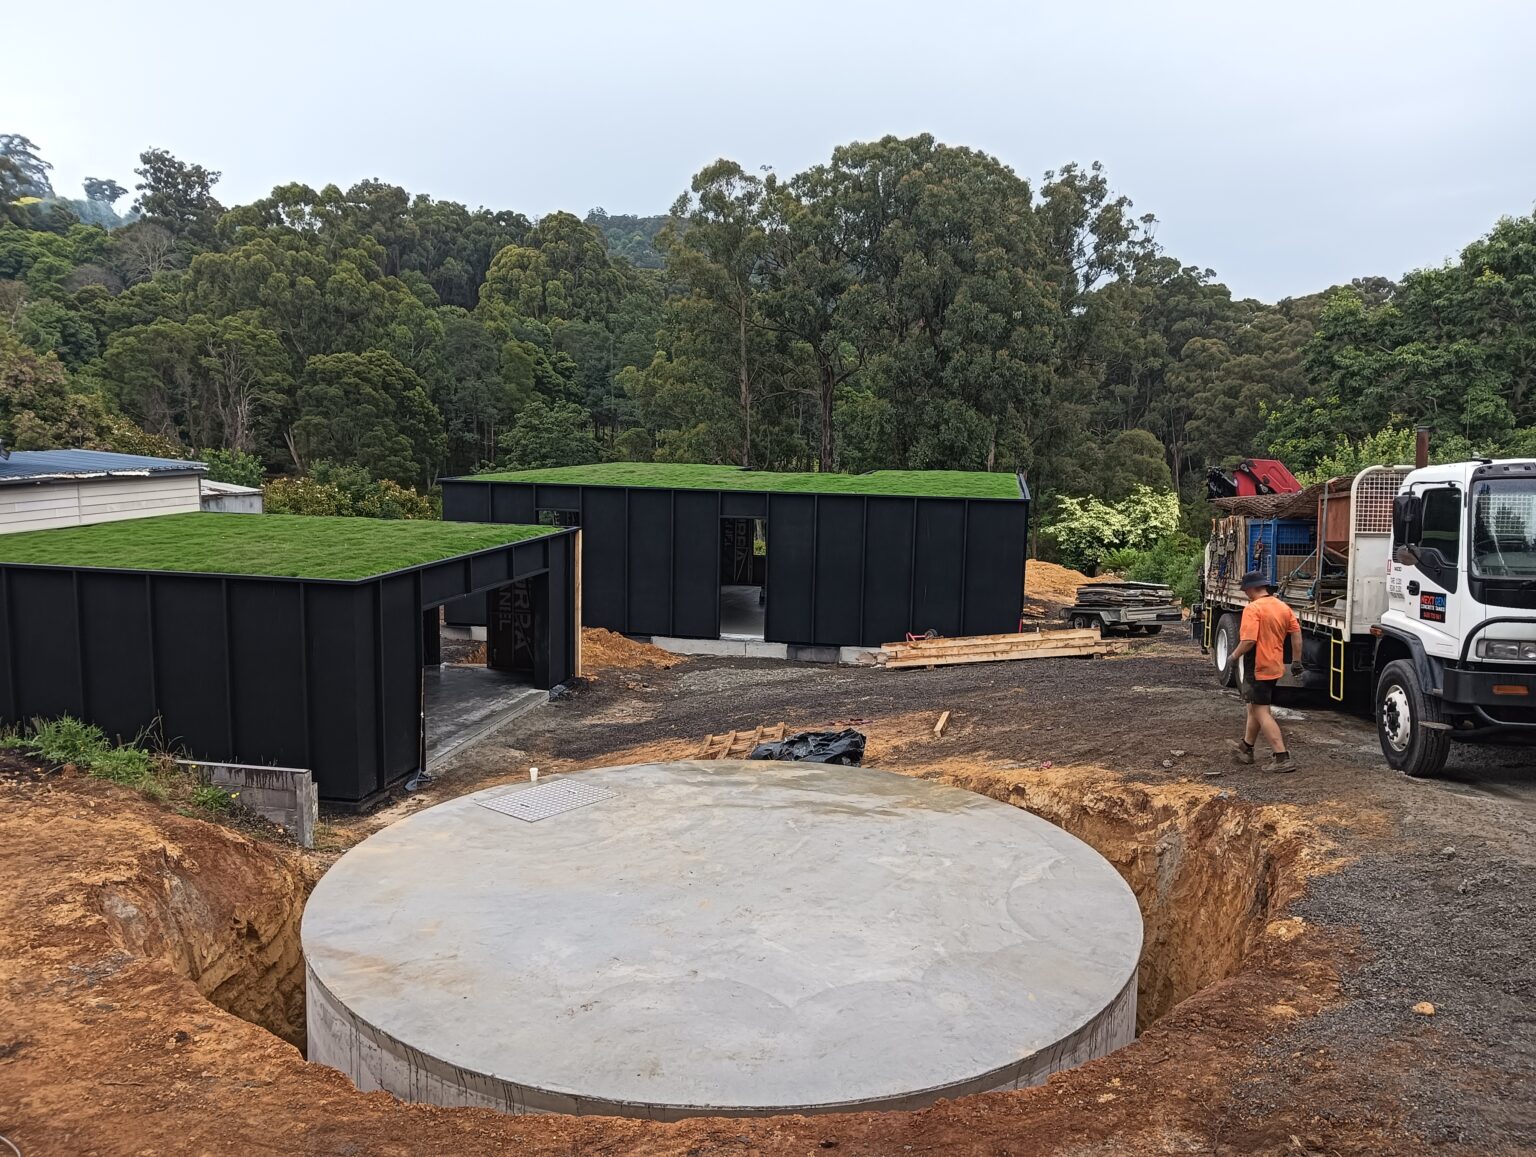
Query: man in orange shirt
point(1260, 654)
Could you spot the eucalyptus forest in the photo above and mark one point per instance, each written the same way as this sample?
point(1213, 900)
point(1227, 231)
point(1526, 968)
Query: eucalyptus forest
point(904, 304)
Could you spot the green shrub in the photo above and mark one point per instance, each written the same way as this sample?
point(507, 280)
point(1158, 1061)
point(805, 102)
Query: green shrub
point(346, 491)
point(234, 466)
point(1175, 561)
point(1087, 531)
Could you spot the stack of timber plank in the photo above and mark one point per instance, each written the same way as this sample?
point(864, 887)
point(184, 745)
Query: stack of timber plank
point(739, 744)
point(1127, 595)
point(942, 652)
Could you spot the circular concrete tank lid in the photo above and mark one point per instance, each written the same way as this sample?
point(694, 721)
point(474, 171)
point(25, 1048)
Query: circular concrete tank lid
point(728, 935)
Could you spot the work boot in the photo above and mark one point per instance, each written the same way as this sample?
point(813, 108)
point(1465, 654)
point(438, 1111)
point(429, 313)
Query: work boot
point(1243, 751)
point(1280, 761)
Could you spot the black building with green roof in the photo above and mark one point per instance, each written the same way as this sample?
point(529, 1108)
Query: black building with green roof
point(272, 640)
point(836, 559)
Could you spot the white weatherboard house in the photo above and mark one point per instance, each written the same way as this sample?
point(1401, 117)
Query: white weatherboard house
point(42, 489)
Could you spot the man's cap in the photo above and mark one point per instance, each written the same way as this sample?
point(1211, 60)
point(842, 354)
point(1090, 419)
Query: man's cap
point(1255, 578)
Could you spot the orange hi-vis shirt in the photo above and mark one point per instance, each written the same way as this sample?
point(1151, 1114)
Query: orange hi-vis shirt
point(1267, 621)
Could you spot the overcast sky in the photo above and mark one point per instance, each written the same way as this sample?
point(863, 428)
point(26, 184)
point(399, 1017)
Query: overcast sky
point(1288, 146)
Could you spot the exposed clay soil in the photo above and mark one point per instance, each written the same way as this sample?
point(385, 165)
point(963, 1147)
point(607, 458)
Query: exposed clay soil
point(602, 649)
point(1049, 580)
point(1292, 922)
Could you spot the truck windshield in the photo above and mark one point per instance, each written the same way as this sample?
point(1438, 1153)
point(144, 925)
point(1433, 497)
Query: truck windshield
point(1504, 528)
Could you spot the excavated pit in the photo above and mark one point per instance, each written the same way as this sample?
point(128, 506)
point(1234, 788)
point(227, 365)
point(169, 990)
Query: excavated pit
point(228, 922)
point(1210, 874)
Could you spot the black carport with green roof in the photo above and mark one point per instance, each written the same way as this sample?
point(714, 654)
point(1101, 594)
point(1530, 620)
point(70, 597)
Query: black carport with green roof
point(851, 559)
point(272, 640)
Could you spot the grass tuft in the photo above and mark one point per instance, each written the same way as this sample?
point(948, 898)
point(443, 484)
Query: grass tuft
point(155, 775)
point(69, 741)
point(213, 799)
point(61, 741)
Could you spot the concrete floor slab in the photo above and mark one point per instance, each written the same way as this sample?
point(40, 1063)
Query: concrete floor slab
point(742, 613)
point(721, 937)
point(465, 704)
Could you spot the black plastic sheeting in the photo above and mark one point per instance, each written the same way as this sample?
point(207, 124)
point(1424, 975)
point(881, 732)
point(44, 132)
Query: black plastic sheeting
point(844, 747)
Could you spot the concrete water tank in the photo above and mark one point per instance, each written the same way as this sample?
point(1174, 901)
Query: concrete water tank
point(677, 939)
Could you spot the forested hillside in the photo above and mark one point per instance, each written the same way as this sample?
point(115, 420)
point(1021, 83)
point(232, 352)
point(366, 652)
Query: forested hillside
point(905, 304)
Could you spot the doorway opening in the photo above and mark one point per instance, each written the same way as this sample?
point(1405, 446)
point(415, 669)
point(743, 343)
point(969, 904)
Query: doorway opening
point(472, 686)
point(743, 578)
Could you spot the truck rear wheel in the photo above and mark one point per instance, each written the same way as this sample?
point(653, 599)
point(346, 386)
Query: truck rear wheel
point(1402, 711)
point(1083, 622)
point(1223, 643)
point(1153, 628)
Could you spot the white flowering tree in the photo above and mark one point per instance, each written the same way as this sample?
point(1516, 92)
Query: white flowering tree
point(1087, 529)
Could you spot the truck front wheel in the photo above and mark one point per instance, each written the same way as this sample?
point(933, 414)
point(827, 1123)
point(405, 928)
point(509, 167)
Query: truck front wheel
point(1223, 642)
point(1402, 712)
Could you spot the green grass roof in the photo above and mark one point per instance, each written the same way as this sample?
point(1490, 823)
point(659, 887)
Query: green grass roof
point(678, 476)
point(271, 545)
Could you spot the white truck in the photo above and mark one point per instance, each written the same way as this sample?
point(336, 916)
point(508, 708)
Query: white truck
point(1416, 591)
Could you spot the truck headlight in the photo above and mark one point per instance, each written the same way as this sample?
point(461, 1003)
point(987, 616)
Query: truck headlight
point(1505, 649)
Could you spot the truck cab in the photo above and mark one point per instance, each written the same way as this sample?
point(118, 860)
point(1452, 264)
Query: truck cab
point(1456, 645)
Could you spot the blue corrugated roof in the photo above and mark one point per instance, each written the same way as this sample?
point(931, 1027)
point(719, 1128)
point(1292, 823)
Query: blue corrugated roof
point(40, 465)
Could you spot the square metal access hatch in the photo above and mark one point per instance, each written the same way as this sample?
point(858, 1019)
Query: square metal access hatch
point(546, 799)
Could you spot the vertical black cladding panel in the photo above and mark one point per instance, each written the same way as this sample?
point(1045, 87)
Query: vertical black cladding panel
point(649, 562)
point(538, 589)
point(604, 555)
point(46, 637)
point(192, 665)
point(119, 670)
point(431, 638)
point(888, 579)
point(938, 565)
point(466, 502)
point(995, 545)
point(8, 709)
point(400, 677)
point(696, 565)
point(513, 502)
point(791, 551)
point(839, 569)
point(343, 690)
point(559, 635)
point(267, 664)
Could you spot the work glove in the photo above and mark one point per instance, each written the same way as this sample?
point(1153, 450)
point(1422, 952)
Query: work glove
point(1296, 669)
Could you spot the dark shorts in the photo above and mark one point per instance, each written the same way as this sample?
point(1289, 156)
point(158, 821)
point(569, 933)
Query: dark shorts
point(1259, 691)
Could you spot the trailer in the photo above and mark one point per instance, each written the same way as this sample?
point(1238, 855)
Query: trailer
point(1398, 574)
point(1136, 608)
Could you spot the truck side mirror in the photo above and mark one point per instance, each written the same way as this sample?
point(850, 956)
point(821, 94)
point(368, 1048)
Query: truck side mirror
point(1407, 519)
